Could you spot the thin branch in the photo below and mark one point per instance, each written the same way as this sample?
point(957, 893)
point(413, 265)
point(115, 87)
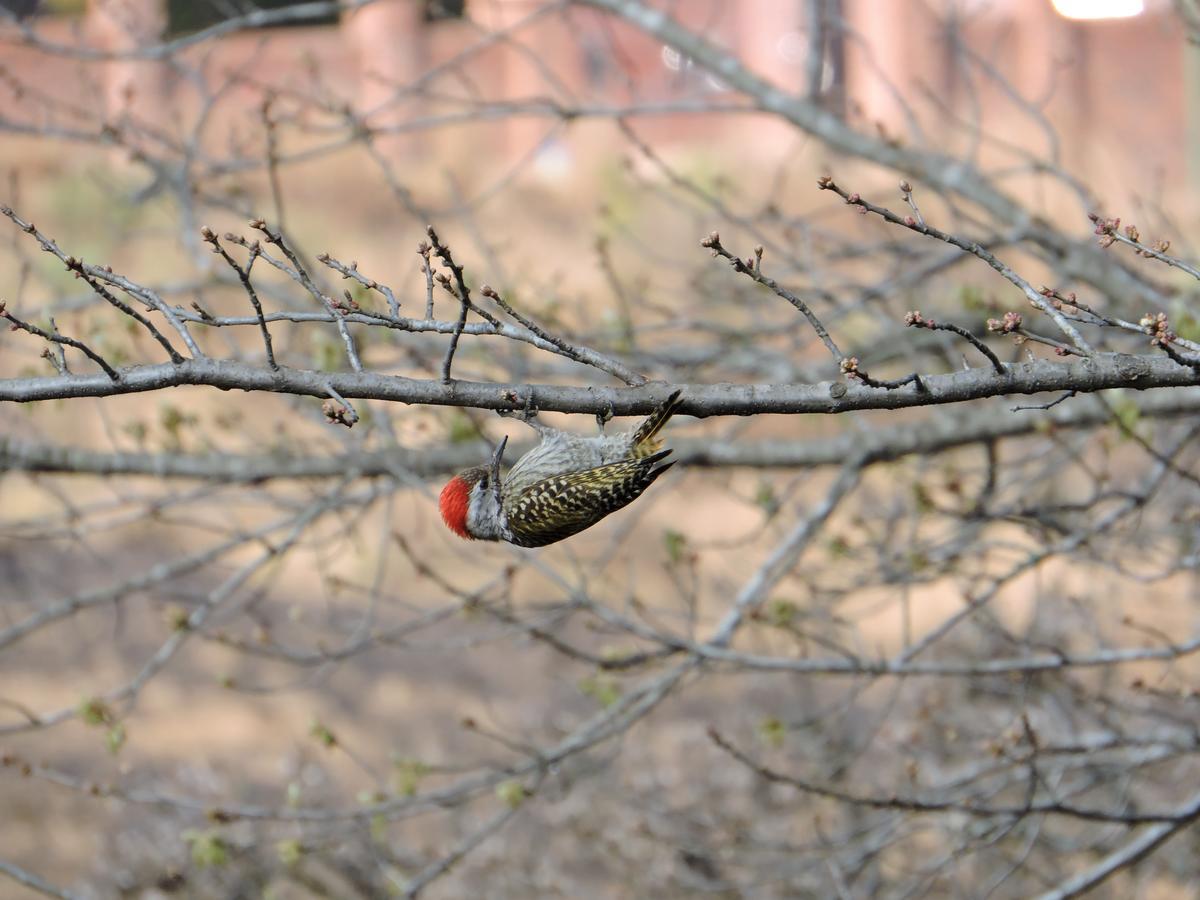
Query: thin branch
point(1034, 296)
point(301, 275)
point(1138, 848)
point(56, 338)
point(1111, 232)
point(423, 250)
point(753, 270)
point(435, 870)
point(35, 882)
point(351, 271)
point(914, 319)
point(850, 368)
point(1066, 395)
point(338, 409)
point(50, 612)
point(244, 276)
point(90, 273)
point(490, 325)
point(856, 667)
point(916, 805)
point(785, 556)
point(460, 290)
point(606, 364)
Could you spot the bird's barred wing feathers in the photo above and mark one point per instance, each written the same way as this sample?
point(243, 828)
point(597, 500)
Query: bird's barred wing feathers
point(557, 507)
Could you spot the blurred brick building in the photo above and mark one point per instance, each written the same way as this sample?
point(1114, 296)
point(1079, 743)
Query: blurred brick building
point(1120, 92)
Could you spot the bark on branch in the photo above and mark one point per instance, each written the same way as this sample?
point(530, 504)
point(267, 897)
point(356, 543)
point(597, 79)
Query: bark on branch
point(1102, 372)
point(948, 432)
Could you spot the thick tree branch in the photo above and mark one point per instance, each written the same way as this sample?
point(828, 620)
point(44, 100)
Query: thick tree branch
point(1104, 371)
point(925, 438)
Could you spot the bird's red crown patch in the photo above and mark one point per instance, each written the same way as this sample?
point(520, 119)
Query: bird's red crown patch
point(453, 504)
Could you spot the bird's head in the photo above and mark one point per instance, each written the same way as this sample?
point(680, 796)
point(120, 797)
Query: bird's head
point(464, 501)
point(470, 502)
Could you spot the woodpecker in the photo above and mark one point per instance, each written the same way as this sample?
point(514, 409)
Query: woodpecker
point(563, 485)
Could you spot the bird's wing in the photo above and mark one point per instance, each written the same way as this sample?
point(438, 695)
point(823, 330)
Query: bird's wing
point(562, 505)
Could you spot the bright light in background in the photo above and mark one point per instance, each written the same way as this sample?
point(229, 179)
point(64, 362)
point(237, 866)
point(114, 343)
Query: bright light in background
point(677, 62)
point(1099, 9)
point(792, 47)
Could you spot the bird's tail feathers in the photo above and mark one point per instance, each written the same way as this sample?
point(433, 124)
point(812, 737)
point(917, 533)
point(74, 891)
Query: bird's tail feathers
point(645, 439)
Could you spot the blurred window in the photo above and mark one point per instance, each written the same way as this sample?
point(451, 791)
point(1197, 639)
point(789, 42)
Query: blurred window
point(18, 8)
point(192, 15)
point(436, 10)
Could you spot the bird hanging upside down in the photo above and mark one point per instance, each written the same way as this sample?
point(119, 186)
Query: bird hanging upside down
point(563, 485)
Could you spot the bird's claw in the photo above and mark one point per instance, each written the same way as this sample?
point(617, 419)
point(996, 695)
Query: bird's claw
point(527, 413)
point(604, 416)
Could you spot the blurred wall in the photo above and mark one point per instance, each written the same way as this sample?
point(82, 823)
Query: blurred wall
point(1115, 91)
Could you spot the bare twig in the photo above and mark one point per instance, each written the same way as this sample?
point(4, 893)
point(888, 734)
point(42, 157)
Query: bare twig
point(351, 271)
point(338, 409)
point(1137, 849)
point(1050, 404)
point(301, 275)
point(1110, 232)
point(460, 290)
point(917, 805)
point(244, 276)
point(36, 883)
point(609, 365)
point(1034, 296)
point(56, 338)
point(423, 249)
point(435, 870)
point(914, 319)
point(753, 269)
point(90, 273)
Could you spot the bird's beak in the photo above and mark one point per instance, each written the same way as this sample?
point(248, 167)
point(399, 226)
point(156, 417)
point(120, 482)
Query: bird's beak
point(494, 474)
